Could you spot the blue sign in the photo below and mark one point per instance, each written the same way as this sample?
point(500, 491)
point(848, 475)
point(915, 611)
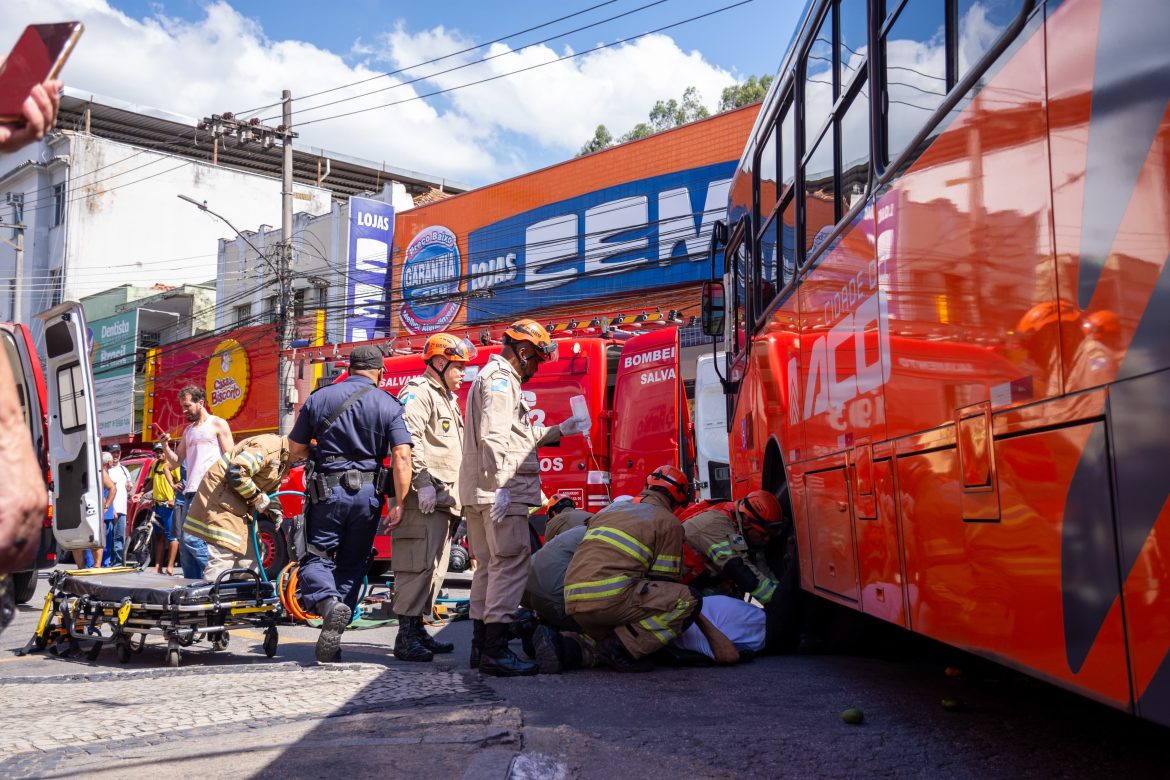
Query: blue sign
point(430, 281)
point(640, 235)
point(371, 238)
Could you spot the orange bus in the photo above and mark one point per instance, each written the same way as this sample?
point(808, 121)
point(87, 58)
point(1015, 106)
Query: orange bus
point(948, 324)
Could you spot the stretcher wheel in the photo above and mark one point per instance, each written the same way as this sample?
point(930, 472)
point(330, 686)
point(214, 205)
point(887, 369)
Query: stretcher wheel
point(221, 642)
point(173, 656)
point(271, 639)
point(122, 646)
point(92, 655)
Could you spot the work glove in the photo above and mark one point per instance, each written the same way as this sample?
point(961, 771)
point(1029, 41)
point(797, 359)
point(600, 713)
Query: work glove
point(428, 497)
point(275, 513)
point(500, 507)
point(573, 425)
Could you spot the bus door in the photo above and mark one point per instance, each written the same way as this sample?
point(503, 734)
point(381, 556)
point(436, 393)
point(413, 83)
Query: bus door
point(648, 410)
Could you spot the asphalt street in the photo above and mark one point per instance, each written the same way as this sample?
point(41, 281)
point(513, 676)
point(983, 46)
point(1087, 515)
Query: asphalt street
point(239, 714)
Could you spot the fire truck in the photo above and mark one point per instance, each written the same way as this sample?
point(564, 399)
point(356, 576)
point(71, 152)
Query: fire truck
point(637, 404)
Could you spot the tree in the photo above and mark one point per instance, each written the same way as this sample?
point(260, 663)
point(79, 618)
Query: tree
point(641, 130)
point(602, 139)
point(749, 91)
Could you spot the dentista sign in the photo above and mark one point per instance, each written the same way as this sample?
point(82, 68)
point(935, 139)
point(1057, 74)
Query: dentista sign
point(228, 375)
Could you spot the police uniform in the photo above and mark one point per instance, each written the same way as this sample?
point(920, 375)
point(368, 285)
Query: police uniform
point(422, 542)
point(500, 451)
point(623, 580)
point(715, 535)
point(340, 529)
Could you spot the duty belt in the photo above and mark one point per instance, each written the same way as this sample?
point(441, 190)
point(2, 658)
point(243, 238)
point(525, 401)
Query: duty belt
point(348, 478)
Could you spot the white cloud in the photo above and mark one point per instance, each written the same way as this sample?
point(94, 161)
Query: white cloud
point(225, 62)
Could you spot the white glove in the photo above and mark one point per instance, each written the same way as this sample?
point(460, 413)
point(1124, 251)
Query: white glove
point(500, 507)
point(574, 425)
point(262, 502)
point(427, 499)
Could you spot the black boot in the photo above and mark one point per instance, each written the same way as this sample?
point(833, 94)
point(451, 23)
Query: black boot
point(407, 645)
point(522, 628)
point(497, 660)
point(428, 641)
point(612, 653)
point(476, 642)
point(335, 617)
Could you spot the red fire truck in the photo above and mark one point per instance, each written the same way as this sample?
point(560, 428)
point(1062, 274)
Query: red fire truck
point(633, 385)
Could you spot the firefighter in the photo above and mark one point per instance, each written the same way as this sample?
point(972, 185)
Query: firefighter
point(622, 586)
point(499, 481)
point(725, 535)
point(422, 542)
point(562, 515)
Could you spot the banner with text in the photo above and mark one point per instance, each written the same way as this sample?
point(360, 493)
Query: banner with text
point(638, 235)
point(371, 235)
point(114, 351)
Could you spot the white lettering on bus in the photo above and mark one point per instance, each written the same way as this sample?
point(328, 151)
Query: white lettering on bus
point(832, 384)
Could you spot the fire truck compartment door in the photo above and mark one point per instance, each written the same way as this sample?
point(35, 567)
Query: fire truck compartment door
point(647, 414)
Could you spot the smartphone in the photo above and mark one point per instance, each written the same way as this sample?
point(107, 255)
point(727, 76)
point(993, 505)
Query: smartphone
point(158, 431)
point(39, 55)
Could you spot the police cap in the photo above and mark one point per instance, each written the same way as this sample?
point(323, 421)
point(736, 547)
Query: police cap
point(365, 357)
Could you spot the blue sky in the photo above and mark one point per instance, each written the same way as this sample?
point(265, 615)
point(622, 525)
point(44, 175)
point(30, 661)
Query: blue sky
point(197, 57)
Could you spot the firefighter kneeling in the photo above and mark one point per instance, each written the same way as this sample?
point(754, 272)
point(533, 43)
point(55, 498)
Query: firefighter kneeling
point(622, 586)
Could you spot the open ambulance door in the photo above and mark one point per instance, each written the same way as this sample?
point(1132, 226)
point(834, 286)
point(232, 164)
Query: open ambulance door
point(651, 425)
point(74, 444)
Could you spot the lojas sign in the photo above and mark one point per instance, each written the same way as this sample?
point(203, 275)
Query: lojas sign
point(371, 234)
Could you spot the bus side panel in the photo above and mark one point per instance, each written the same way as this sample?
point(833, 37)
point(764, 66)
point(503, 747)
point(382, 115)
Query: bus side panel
point(1141, 452)
point(995, 587)
point(834, 561)
point(878, 544)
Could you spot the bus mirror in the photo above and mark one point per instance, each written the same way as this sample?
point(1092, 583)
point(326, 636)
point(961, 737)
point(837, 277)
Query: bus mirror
point(714, 309)
point(718, 237)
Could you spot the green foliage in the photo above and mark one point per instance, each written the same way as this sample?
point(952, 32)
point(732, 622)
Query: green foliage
point(749, 91)
point(602, 139)
point(663, 116)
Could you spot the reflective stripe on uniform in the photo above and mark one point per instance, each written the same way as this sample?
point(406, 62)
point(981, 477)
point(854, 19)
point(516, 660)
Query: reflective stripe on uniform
point(719, 552)
point(621, 540)
point(200, 528)
point(659, 625)
point(766, 589)
point(667, 564)
point(596, 589)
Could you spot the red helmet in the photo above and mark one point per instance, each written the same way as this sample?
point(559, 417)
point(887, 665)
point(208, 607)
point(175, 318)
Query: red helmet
point(673, 482)
point(761, 511)
point(1047, 313)
point(557, 504)
point(1102, 323)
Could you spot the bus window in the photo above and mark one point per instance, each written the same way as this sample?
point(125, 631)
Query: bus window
point(787, 225)
point(740, 318)
point(766, 170)
point(855, 150)
point(818, 80)
point(768, 283)
point(819, 196)
point(787, 149)
point(853, 33)
point(981, 23)
point(915, 71)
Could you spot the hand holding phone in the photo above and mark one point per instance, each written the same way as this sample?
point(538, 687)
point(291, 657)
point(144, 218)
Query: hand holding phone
point(158, 430)
point(29, 90)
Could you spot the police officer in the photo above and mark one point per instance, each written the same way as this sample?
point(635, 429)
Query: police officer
point(422, 543)
point(354, 426)
point(498, 481)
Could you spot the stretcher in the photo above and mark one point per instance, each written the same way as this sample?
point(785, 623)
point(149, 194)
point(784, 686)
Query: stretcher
point(114, 605)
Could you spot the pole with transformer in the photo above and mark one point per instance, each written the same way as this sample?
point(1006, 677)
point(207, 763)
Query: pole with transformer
point(223, 127)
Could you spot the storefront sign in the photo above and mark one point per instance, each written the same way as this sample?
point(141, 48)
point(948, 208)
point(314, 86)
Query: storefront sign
point(371, 234)
point(228, 374)
point(430, 281)
point(114, 350)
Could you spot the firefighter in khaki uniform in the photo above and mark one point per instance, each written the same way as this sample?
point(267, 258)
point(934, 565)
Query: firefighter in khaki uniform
point(498, 481)
point(422, 542)
point(725, 540)
point(562, 515)
point(622, 586)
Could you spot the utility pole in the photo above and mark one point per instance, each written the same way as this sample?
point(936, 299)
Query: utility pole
point(19, 280)
point(224, 126)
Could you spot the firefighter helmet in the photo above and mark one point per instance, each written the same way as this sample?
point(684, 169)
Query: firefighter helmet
point(1047, 313)
point(535, 334)
point(445, 345)
point(557, 504)
point(672, 482)
point(1102, 323)
point(760, 511)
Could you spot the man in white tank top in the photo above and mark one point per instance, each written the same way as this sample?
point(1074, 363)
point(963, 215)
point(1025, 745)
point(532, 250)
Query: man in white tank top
point(204, 441)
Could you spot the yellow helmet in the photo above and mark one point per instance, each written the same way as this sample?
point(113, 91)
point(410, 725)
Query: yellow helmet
point(535, 334)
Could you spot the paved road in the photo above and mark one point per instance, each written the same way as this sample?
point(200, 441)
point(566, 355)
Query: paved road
point(239, 714)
